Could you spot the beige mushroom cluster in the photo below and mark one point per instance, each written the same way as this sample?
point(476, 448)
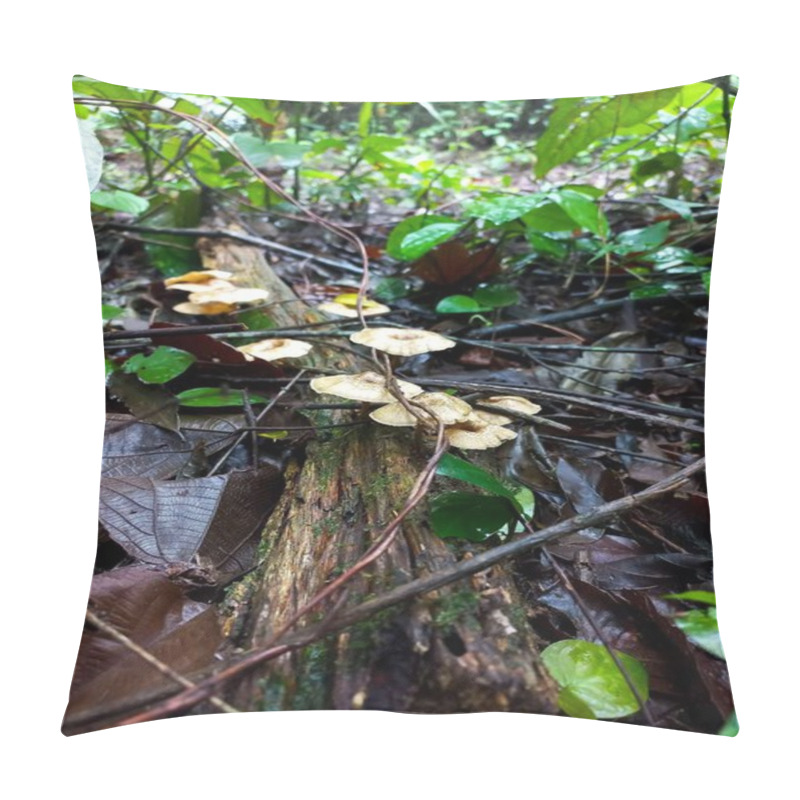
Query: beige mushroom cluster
point(275, 349)
point(465, 427)
point(211, 292)
point(346, 305)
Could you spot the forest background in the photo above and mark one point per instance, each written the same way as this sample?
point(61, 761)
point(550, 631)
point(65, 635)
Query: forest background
point(353, 52)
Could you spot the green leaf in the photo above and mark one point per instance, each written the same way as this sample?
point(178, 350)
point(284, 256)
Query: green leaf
point(212, 397)
point(706, 278)
point(382, 144)
point(389, 289)
point(587, 673)
point(261, 153)
point(731, 726)
point(639, 239)
point(453, 467)
point(502, 209)
point(694, 596)
point(417, 243)
point(110, 367)
point(576, 123)
point(548, 218)
point(463, 515)
point(460, 304)
point(118, 200)
point(402, 229)
point(162, 365)
point(92, 153)
point(255, 109)
point(573, 706)
point(700, 627)
point(496, 295)
point(546, 244)
point(680, 207)
point(364, 118)
point(111, 312)
point(583, 211)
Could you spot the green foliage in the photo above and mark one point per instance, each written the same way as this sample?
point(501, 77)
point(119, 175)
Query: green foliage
point(119, 200)
point(162, 365)
point(474, 517)
point(415, 244)
point(592, 686)
point(111, 312)
point(700, 625)
point(211, 397)
point(731, 726)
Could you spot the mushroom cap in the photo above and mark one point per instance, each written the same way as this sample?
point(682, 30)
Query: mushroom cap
point(275, 349)
point(510, 402)
point(209, 308)
point(369, 308)
point(444, 407)
point(368, 387)
point(235, 295)
point(402, 341)
point(213, 285)
point(477, 435)
point(198, 277)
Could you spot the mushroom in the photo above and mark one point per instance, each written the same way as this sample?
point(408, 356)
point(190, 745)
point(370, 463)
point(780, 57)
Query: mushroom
point(402, 341)
point(235, 295)
point(444, 407)
point(509, 402)
point(208, 308)
point(369, 308)
point(368, 387)
point(275, 349)
point(198, 277)
point(214, 285)
point(477, 435)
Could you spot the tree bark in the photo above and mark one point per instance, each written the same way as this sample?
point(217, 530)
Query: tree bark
point(465, 647)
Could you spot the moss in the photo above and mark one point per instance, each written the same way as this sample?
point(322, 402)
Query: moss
point(453, 608)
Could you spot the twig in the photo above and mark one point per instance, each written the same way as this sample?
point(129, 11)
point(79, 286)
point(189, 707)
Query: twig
point(183, 330)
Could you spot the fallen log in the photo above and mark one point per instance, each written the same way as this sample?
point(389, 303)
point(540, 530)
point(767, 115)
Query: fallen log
point(464, 647)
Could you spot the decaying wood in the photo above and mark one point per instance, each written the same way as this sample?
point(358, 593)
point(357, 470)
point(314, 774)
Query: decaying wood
point(464, 647)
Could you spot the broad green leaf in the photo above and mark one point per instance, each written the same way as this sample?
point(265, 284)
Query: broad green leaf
point(110, 367)
point(576, 123)
point(681, 207)
point(209, 397)
point(389, 289)
point(654, 290)
point(496, 295)
point(92, 153)
point(382, 144)
point(111, 312)
point(583, 211)
point(502, 209)
point(162, 365)
point(639, 239)
point(587, 672)
point(254, 108)
point(417, 243)
point(573, 706)
point(184, 106)
point(700, 627)
point(706, 277)
point(111, 91)
point(548, 218)
point(454, 467)
point(402, 229)
point(328, 143)
point(697, 596)
point(546, 244)
point(262, 153)
point(460, 304)
point(462, 515)
point(118, 200)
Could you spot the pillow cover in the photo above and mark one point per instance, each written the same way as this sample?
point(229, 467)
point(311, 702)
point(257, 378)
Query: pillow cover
point(404, 406)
